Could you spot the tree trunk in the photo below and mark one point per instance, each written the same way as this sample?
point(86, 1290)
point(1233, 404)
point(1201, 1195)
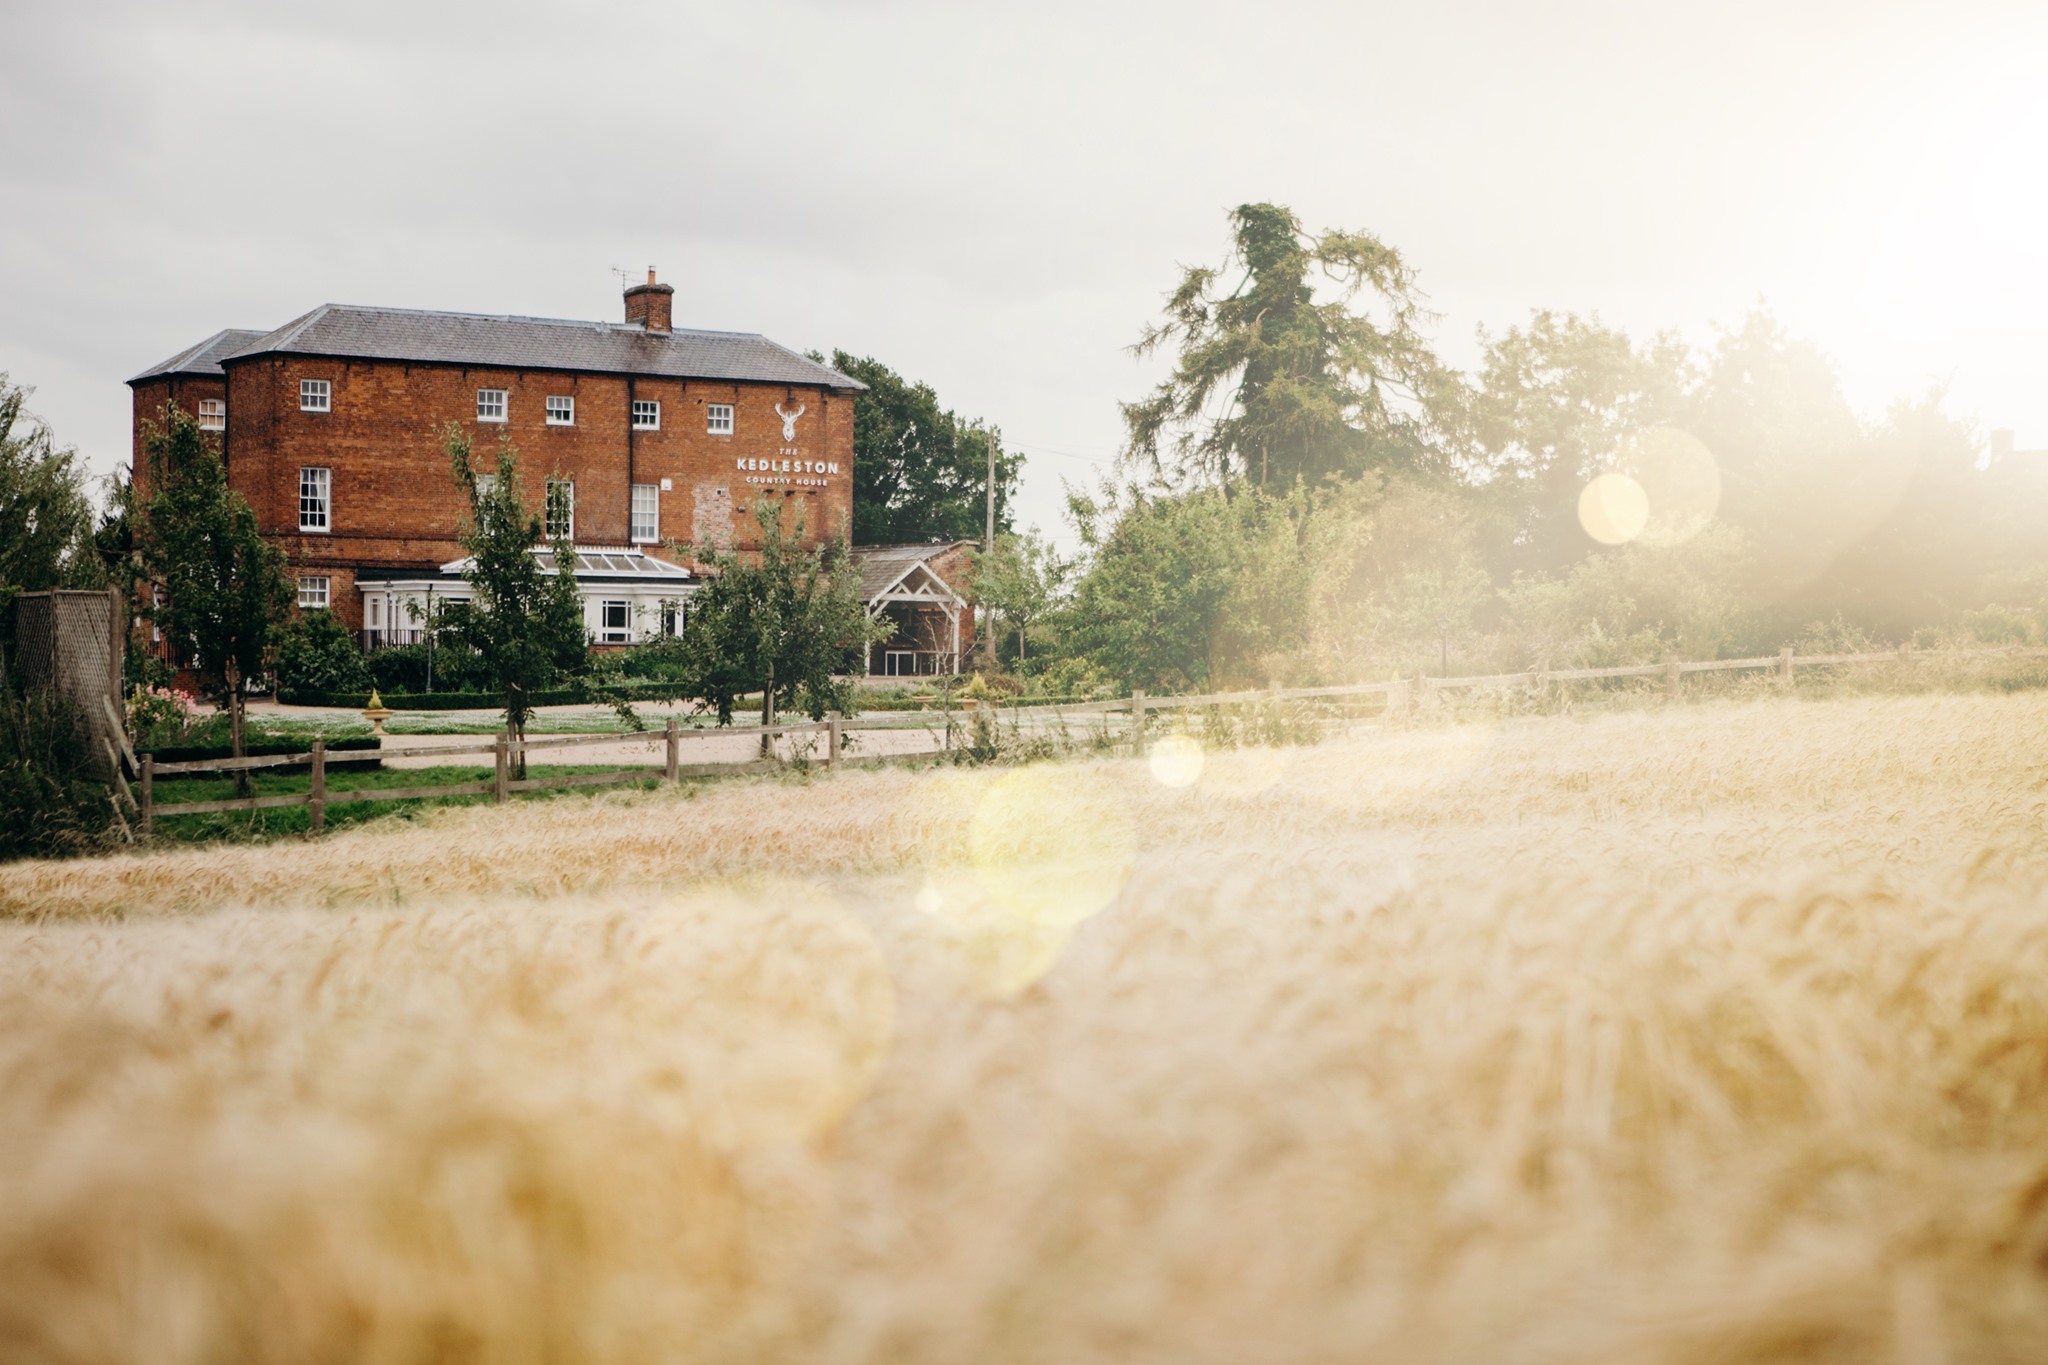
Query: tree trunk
point(1020, 647)
point(232, 676)
point(516, 729)
point(768, 713)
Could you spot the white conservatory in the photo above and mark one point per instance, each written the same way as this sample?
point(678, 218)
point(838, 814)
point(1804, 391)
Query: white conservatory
point(628, 596)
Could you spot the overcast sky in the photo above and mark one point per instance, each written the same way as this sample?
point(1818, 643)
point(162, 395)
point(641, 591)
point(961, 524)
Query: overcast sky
point(993, 199)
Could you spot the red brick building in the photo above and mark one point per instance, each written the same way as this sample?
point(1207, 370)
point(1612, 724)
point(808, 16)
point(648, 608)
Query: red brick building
point(332, 427)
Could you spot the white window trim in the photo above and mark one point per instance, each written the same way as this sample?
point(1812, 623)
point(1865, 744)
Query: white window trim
point(326, 482)
point(503, 405)
point(316, 395)
point(568, 417)
point(547, 510)
point(606, 633)
point(653, 491)
point(325, 591)
point(213, 414)
point(639, 403)
point(711, 412)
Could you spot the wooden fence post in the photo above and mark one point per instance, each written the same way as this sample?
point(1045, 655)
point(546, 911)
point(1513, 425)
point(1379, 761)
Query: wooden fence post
point(1674, 686)
point(1785, 665)
point(148, 780)
point(1138, 708)
point(503, 791)
point(673, 735)
point(832, 739)
point(316, 796)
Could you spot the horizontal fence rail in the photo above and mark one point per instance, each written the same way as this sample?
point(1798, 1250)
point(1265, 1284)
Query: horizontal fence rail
point(1129, 714)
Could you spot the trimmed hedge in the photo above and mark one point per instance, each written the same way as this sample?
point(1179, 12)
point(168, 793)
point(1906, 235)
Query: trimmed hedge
point(199, 753)
point(463, 701)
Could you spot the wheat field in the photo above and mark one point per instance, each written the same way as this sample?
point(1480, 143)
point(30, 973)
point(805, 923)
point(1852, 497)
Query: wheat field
point(1695, 1034)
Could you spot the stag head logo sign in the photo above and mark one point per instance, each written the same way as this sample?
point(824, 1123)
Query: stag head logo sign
point(789, 420)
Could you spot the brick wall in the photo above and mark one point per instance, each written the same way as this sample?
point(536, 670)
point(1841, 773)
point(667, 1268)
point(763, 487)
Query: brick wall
point(395, 504)
point(149, 399)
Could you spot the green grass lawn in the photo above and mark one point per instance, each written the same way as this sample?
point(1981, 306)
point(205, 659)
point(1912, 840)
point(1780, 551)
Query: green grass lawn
point(260, 824)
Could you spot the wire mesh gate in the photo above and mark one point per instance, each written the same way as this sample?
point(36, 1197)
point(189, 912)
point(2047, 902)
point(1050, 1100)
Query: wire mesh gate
point(71, 643)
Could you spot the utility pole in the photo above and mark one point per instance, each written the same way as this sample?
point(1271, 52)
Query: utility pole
point(988, 547)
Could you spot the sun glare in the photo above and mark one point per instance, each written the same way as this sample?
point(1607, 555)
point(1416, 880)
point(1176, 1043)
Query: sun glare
point(1614, 509)
point(1176, 761)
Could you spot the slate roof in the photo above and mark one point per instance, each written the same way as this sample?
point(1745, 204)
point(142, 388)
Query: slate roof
point(204, 358)
point(346, 331)
point(882, 567)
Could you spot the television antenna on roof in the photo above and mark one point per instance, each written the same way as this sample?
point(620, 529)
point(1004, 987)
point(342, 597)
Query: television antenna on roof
point(625, 277)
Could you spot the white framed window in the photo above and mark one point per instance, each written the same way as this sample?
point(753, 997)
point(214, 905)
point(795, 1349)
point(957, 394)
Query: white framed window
point(718, 419)
point(646, 415)
point(313, 591)
point(490, 405)
point(616, 623)
point(561, 518)
point(316, 488)
point(213, 414)
point(672, 617)
point(561, 411)
point(646, 513)
point(316, 395)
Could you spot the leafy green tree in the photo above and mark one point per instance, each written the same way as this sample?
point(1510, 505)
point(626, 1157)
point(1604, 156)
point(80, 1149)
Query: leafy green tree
point(1554, 405)
point(316, 653)
point(525, 626)
point(1271, 386)
point(780, 621)
point(1020, 583)
point(920, 471)
point(46, 518)
point(225, 589)
point(1162, 568)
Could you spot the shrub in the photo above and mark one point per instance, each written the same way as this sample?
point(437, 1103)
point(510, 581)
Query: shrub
point(50, 804)
point(316, 653)
point(160, 716)
point(404, 669)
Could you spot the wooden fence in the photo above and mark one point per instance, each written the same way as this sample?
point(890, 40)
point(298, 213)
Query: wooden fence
point(1130, 716)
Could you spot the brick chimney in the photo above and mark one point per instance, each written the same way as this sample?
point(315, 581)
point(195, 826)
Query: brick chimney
point(650, 305)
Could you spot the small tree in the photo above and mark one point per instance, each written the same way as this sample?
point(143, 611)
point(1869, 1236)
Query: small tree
point(225, 589)
point(781, 621)
point(526, 626)
point(1019, 582)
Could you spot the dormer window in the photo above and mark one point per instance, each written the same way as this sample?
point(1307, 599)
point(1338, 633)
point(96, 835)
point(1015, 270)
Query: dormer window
point(315, 395)
point(213, 414)
point(490, 405)
point(646, 415)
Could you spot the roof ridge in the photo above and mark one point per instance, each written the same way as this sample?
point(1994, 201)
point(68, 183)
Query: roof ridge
point(178, 361)
point(597, 323)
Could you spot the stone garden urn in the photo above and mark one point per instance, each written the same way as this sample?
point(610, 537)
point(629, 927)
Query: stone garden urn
point(377, 712)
